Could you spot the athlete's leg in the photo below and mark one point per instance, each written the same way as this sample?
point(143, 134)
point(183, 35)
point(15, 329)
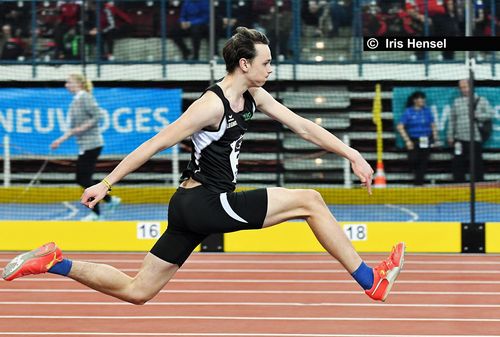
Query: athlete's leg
point(284, 204)
point(151, 278)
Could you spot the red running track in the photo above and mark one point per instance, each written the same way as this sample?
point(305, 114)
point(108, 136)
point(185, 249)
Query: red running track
point(281, 295)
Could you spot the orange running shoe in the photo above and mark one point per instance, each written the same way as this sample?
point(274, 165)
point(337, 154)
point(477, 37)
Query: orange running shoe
point(385, 274)
point(37, 261)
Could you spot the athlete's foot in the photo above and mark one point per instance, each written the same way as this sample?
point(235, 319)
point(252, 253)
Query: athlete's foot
point(37, 261)
point(385, 274)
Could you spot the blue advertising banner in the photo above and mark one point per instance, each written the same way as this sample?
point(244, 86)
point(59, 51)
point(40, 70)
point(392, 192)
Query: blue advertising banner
point(440, 101)
point(34, 117)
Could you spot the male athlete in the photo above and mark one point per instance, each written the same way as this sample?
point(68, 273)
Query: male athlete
point(205, 202)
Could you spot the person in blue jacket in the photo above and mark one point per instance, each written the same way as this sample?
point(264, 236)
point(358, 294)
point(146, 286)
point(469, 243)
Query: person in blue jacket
point(193, 21)
point(419, 133)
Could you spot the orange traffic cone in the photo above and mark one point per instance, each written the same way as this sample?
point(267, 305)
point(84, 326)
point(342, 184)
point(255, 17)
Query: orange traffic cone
point(380, 181)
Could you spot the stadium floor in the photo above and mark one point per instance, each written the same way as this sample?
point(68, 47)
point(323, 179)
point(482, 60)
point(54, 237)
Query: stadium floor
point(257, 295)
point(459, 212)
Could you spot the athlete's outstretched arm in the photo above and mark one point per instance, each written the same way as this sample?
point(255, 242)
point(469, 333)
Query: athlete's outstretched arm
point(313, 133)
point(204, 112)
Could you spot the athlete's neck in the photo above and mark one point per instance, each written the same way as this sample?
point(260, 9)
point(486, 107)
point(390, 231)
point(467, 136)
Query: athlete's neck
point(233, 87)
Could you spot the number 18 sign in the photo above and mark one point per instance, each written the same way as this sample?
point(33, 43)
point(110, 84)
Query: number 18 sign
point(356, 232)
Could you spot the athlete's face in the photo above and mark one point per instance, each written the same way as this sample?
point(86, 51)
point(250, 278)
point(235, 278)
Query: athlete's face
point(259, 69)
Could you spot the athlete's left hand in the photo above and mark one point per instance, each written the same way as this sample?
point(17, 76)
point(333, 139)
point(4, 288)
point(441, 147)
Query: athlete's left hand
point(363, 171)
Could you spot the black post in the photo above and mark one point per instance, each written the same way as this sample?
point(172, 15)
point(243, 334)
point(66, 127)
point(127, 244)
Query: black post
point(472, 151)
point(98, 36)
point(34, 39)
point(82, 39)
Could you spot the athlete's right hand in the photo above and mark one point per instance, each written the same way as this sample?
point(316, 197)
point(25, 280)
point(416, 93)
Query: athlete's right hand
point(92, 195)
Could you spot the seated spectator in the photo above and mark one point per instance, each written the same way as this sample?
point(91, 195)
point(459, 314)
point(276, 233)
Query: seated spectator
point(18, 16)
point(47, 18)
point(483, 20)
point(442, 19)
point(13, 46)
point(69, 16)
point(193, 21)
point(341, 15)
point(269, 12)
point(113, 23)
point(313, 13)
point(373, 20)
point(419, 131)
point(240, 14)
point(402, 22)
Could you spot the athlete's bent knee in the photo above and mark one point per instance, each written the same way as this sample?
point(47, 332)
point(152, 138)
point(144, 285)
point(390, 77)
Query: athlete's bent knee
point(313, 199)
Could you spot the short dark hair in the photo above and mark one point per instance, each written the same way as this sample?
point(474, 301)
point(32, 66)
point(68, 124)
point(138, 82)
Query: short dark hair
point(411, 99)
point(242, 45)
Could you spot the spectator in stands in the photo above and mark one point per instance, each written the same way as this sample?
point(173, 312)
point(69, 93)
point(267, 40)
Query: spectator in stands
point(401, 21)
point(314, 13)
point(373, 19)
point(84, 115)
point(340, 14)
point(419, 131)
point(113, 22)
point(443, 20)
point(275, 20)
point(65, 31)
point(240, 15)
point(194, 19)
point(12, 46)
point(458, 134)
point(18, 16)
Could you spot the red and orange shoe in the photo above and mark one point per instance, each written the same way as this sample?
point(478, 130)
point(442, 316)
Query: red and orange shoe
point(386, 272)
point(37, 261)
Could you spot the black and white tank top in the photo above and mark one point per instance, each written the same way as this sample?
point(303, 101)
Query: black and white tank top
point(214, 157)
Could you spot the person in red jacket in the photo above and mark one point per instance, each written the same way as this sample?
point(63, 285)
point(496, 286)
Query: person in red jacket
point(69, 16)
point(442, 19)
point(112, 22)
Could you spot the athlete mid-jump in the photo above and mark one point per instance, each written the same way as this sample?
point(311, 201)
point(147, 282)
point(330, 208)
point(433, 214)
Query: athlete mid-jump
point(205, 202)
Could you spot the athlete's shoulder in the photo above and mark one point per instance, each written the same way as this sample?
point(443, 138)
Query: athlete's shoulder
point(207, 109)
point(211, 101)
point(260, 96)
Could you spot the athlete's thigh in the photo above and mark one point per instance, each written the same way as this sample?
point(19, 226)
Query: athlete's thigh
point(153, 275)
point(286, 204)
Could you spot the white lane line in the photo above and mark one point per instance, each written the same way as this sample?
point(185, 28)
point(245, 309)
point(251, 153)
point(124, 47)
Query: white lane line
point(221, 334)
point(260, 281)
point(266, 304)
point(320, 271)
point(196, 291)
point(413, 216)
point(256, 318)
point(73, 211)
point(333, 271)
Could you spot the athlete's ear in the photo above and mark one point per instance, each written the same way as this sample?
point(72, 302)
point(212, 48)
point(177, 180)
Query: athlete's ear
point(244, 64)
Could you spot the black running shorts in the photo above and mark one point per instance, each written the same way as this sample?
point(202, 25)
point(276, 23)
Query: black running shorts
point(196, 212)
